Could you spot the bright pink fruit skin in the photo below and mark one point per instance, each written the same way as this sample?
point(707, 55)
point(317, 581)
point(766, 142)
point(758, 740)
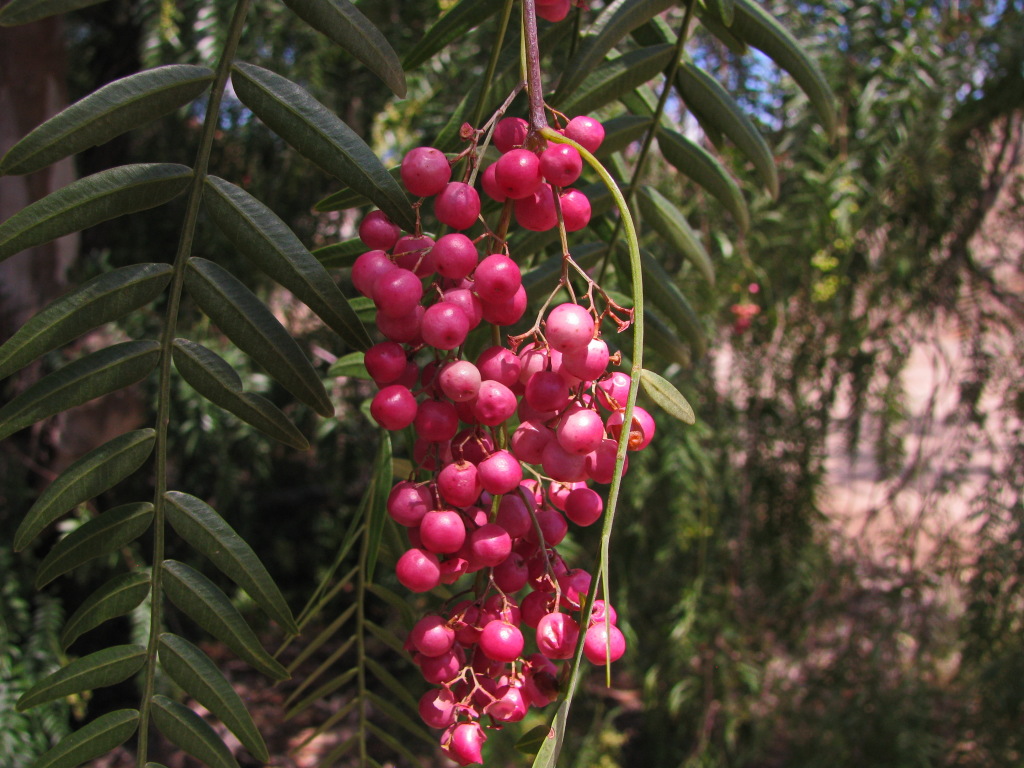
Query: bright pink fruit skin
point(499, 364)
point(581, 432)
point(641, 432)
point(460, 380)
point(613, 391)
point(437, 708)
point(408, 503)
point(367, 268)
point(560, 165)
point(468, 302)
point(587, 363)
point(500, 472)
point(517, 173)
point(494, 404)
point(554, 11)
point(509, 133)
point(569, 326)
point(506, 312)
point(536, 212)
point(418, 570)
point(602, 639)
point(497, 278)
point(514, 516)
point(556, 635)
point(600, 464)
point(575, 209)
point(501, 641)
point(415, 253)
point(458, 205)
point(425, 171)
point(547, 391)
point(466, 743)
point(376, 230)
point(455, 256)
point(529, 441)
point(458, 484)
point(432, 636)
point(490, 545)
point(444, 325)
point(404, 329)
point(385, 362)
point(442, 531)
point(511, 574)
point(397, 292)
point(584, 506)
point(585, 131)
point(489, 184)
point(394, 407)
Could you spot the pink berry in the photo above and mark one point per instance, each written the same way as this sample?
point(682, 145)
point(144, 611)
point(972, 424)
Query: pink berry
point(496, 279)
point(490, 544)
point(404, 329)
point(581, 431)
point(575, 210)
point(517, 173)
point(601, 463)
point(546, 391)
point(554, 11)
point(490, 184)
point(574, 586)
point(507, 312)
point(436, 421)
point(472, 445)
point(509, 133)
point(499, 364)
point(514, 516)
point(425, 171)
point(458, 205)
point(437, 708)
point(367, 268)
point(561, 465)
point(465, 744)
point(585, 131)
point(613, 390)
point(444, 668)
point(500, 473)
point(442, 531)
point(600, 610)
point(418, 570)
point(640, 432)
point(385, 362)
point(468, 302)
point(553, 527)
point(494, 403)
point(416, 254)
point(397, 292)
point(569, 326)
point(587, 363)
point(536, 212)
point(432, 636)
point(584, 506)
point(459, 380)
point(511, 706)
point(511, 574)
point(408, 503)
point(529, 441)
point(455, 256)
point(603, 643)
point(394, 407)
point(378, 231)
point(444, 325)
point(458, 484)
point(556, 635)
point(501, 641)
point(560, 165)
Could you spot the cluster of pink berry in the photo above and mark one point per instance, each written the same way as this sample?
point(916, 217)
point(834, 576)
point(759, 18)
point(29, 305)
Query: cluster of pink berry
point(553, 405)
point(556, 10)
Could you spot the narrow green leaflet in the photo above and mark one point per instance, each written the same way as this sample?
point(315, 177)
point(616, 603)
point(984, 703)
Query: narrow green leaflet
point(392, 741)
point(97, 374)
point(340, 254)
point(23, 11)
point(376, 500)
point(97, 670)
point(85, 202)
point(616, 78)
point(664, 393)
point(201, 600)
point(91, 740)
point(321, 137)
point(718, 111)
point(214, 378)
point(195, 673)
point(200, 525)
point(466, 15)
point(103, 299)
point(342, 22)
point(100, 469)
point(248, 323)
point(105, 113)
point(399, 715)
point(349, 365)
point(759, 28)
point(392, 683)
point(620, 132)
point(258, 233)
point(695, 162)
point(724, 9)
point(715, 26)
point(530, 742)
point(117, 597)
point(190, 733)
point(667, 220)
point(616, 21)
point(100, 536)
point(669, 300)
point(322, 692)
point(346, 197)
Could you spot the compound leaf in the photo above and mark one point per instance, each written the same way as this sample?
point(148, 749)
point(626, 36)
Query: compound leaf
point(194, 672)
point(89, 476)
point(321, 137)
point(91, 740)
point(258, 233)
point(96, 198)
point(342, 22)
point(665, 394)
point(107, 297)
point(248, 323)
point(202, 601)
point(105, 113)
point(97, 670)
point(190, 733)
point(100, 536)
point(200, 525)
point(117, 597)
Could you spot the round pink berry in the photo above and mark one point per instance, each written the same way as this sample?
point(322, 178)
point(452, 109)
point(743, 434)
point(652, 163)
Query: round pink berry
point(458, 483)
point(378, 231)
point(584, 506)
point(575, 210)
point(425, 171)
point(367, 268)
point(560, 164)
point(418, 570)
point(397, 292)
point(394, 407)
point(385, 362)
point(500, 473)
point(494, 403)
point(458, 205)
point(585, 131)
point(442, 531)
point(509, 133)
point(536, 212)
point(556, 635)
point(496, 279)
point(408, 503)
point(641, 432)
point(517, 173)
point(603, 643)
point(499, 364)
point(569, 326)
point(432, 636)
point(459, 380)
point(455, 256)
point(444, 325)
point(581, 431)
point(506, 312)
point(437, 708)
point(501, 641)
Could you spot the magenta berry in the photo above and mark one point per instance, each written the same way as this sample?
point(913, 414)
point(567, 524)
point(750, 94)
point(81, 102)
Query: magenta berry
point(556, 635)
point(497, 278)
point(444, 325)
point(394, 407)
point(575, 209)
point(418, 570)
point(455, 256)
point(397, 292)
point(500, 472)
point(584, 506)
point(490, 545)
point(501, 641)
point(436, 421)
point(465, 744)
point(641, 430)
point(415, 254)
point(459, 380)
point(408, 503)
point(536, 212)
point(468, 302)
point(367, 268)
point(385, 362)
point(494, 403)
point(499, 364)
point(517, 173)
point(580, 431)
point(547, 391)
point(587, 363)
point(509, 133)
point(560, 165)
point(425, 171)
point(432, 636)
point(506, 312)
point(603, 643)
point(554, 11)
point(569, 326)
point(376, 230)
point(442, 531)
point(458, 205)
point(437, 708)
point(458, 484)
point(585, 131)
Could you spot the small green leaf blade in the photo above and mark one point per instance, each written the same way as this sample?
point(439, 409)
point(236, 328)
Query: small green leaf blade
point(190, 733)
point(91, 740)
point(202, 527)
point(248, 323)
point(100, 469)
point(620, 132)
point(321, 137)
point(214, 378)
point(724, 10)
point(615, 78)
point(97, 670)
point(665, 394)
point(19, 12)
point(760, 29)
point(342, 254)
point(352, 365)
point(258, 233)
point(616, 21)
point(667, 220)
point(100, 536)
point(96, 198)
point(530, 742)
point(377, 499)
point(116, 597)
point(697, 163)
point(341, 22)
point(718, 112)
point(194, 672)
point(346, 197)
point(103, 299)
point(460, 19)
point(201, 600)
point(114, 109)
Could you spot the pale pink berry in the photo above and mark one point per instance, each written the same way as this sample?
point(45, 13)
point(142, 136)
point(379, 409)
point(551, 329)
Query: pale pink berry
point(408, 503)
point(444, 325)
point(581, 431)
point(556, 635)
point(459, 380)
point(432, 636)
point(641, 431)
point(603, 643)
point(569, 326)
point(613, 390)
point(587, 363)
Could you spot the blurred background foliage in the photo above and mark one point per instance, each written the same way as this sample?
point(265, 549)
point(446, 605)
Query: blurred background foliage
point(766, 627)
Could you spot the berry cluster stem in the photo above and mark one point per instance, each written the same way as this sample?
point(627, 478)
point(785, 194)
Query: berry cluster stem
point(534, 88)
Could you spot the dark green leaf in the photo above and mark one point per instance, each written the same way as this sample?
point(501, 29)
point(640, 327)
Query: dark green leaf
point(24, 11)
point(340, 254)
point(200, 599)
point(664, 393)
point(91, 740)
point(324, 691)
point(326, 634)
point(466, 15)
point(538, 281)
point(399, 715)
point(616, 21)
point(248, 323)
point(117, 597)
point(724, 10)
point(320, 136)
point(102, 196)
point(396, 601)
point(258, 233)
point(97, 670)
point(664, 295)
point(718, 111)
point(214, 378)
point(389, 639)
point(667, 220)
point(100, 536)
point(89, 476)
point(759, 28)
point(530, 742)
point(193, 671)
point(107, 297)
point(392, 684)
point(620, 132)
point(105, 113)
point(349, 365)
point(346, 197)
point(190, 733)
point(342, 22)
point(694, 161)
point(615, 78)
point(200, 525)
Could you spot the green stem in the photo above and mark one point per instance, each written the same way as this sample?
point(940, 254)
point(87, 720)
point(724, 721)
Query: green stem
point(492, 65)
point(167, 338)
